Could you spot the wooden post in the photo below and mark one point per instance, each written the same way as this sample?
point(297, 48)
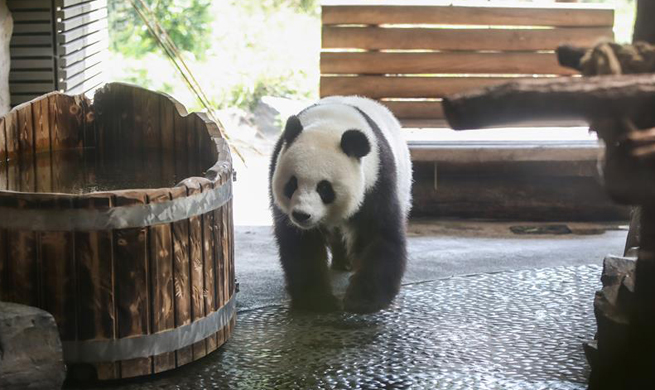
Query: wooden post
point(644, 27)
point(643, 318)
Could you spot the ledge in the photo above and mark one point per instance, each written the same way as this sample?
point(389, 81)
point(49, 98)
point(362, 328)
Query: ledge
point(503, 151)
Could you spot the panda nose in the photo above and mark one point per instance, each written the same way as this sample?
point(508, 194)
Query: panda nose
point(300, 216)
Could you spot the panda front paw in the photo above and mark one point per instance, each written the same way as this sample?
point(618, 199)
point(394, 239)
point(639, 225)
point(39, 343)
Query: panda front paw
point(323, 303)
point(364, 297)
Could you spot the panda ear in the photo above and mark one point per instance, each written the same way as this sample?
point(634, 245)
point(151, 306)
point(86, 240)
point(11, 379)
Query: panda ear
point(355, 144)
point(292, 129)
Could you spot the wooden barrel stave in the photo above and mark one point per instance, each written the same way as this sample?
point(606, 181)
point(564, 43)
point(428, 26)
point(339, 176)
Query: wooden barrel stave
point(112, 285)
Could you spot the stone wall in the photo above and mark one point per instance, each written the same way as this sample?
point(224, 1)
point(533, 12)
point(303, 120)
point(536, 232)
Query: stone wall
point(6, 28)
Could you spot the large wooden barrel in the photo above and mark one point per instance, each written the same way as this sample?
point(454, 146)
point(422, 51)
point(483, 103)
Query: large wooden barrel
point(140, 281)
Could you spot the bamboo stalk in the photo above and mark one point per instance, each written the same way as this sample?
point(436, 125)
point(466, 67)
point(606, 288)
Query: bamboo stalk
point(174, 55)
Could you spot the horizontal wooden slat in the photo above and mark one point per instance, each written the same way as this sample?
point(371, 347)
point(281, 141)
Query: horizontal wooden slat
point(34, 16)
point(415, 109)
point(69, 24)
point(71, 12)
point(29, 4)
point(30, 28)
point(376, 38)
point(87, 74)
point(31, 76)
point(440, 63)
point(449, 12)
point(87, 85)
point(68, 36)
point(32, 64)
point(79, 55)
point(78, 67)
point(18, 40)
point(69, 3)
point(17, 88)
point(83, 42)
point(377, 87)
point(30, 51)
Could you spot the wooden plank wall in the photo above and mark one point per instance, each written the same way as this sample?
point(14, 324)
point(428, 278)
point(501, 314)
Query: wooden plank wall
point(32, 47)
point(57, 45)
point(410, 54)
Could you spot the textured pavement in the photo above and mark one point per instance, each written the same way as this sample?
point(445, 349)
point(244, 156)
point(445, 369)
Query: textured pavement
point(513, 330)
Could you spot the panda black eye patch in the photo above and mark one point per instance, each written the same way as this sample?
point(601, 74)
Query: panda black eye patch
point(324, 189)
point(290, 187)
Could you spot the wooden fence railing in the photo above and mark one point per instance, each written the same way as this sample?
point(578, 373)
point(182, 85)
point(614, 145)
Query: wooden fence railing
point(411, 53)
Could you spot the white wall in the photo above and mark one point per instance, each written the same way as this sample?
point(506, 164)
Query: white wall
point(6, 27)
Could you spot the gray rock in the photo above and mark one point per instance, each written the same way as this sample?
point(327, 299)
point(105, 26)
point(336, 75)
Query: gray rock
point(267, 120)
point(30, 349)
point(610, 355)
point(272, 112)
point(615, 268)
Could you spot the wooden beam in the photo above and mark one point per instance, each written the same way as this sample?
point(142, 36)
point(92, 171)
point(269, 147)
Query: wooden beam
point(31, 76)
point(80, 66)
point(441, 63)
point(71, 35)
point(422, 109)
point(69, 24)
point(29, 4)
point(378, 38)
point(480, 152)
point(32, 28)
point(467, 13)
point(583, 98)
point(81, 43)
point(378, 87)
point(67, 13)
point(86, 52)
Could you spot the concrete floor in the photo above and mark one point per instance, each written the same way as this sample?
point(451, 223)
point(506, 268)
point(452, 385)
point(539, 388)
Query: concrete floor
point(437, 250)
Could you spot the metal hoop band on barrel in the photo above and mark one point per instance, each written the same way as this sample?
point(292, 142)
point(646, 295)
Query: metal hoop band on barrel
point(97, 351)
point(122, 217)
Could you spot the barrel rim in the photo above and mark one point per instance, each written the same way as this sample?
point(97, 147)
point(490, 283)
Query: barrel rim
point(217, 174)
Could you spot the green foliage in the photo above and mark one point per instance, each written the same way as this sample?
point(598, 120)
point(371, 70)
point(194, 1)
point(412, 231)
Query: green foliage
point(272, 6)
point(187, 22)
point(256, 48)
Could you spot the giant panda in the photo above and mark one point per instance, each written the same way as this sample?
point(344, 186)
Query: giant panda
point(340, 177)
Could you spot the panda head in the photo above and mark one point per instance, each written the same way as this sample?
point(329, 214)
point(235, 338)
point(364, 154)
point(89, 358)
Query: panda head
point(319, 179)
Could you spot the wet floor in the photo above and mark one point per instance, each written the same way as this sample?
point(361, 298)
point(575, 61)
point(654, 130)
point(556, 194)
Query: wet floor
point(507, 330)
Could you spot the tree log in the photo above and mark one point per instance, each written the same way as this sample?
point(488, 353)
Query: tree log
point(570, 56)
point(30, 349)
point(592, 98)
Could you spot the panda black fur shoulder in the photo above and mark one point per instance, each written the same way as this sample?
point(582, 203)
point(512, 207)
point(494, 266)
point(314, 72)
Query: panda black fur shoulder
point(341, 176)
